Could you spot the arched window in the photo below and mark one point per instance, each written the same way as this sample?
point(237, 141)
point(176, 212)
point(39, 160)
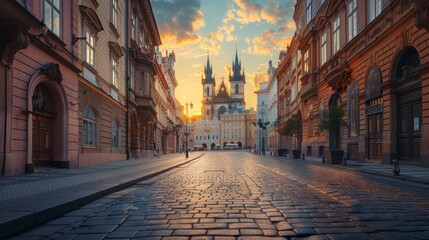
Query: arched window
point(236, 89)
point(115, 134)
point(41, 100)
point(353, 109)
point(208, 91)
point(89, 131)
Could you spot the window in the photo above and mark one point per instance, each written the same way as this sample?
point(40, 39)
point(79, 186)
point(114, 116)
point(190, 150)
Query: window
point(293, 91)
point(133, 26)
point(336, 36)
point(132, 76)
point(323, 49)
point(208, 91)
point(307, 61)
point(114, 71)
point(352, 19)
point(236, 89)
point(115, 13)
point(321, 110)
point(115, 134)
point(89, 47)
point(308, 11)
point(208, 112)
point(141, 36)
point(51, 15)
point(374, 9)
point(89, 131)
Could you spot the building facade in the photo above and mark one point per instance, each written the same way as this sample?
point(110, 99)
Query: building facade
point(206, 134)
point(217, 101)
point(369, 59)
point(102, 84)
point(262, 118)
point(272, 110)
point(39, 104)
point(237, 127)
point(144, 134)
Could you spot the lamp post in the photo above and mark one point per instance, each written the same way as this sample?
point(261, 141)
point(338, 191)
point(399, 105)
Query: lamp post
point(186, 132)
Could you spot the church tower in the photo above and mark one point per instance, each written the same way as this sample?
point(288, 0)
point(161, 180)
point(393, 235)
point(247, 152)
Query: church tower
point(237, 81)
point(209, 86)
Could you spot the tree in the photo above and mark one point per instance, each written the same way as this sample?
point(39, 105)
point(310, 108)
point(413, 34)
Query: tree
point(332, 119)
point(293, 127)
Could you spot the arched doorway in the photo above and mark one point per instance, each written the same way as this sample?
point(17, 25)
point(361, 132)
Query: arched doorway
point(43, 119)
point(240, 145)
point(334, 135)
point(212, 146)
point(374, 114)
point(408, 91)
point(47, 119)
point(204, 146)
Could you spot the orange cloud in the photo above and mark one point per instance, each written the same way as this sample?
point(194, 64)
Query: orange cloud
point(258, 77)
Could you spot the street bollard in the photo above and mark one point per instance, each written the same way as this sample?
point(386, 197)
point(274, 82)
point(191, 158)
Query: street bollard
point(396, 169)
point(345, 161)
point(323, 159)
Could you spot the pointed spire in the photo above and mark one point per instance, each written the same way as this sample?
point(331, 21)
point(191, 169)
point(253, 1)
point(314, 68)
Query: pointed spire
point(236, 65)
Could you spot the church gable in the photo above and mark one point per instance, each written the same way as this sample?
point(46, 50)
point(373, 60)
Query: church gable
point(222, 93)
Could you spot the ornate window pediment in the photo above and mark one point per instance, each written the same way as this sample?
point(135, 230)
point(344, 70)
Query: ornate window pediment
point(91, 17)
point(115, 48)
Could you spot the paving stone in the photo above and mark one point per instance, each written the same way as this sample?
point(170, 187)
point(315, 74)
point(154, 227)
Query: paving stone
point(243, 225)
point(251, 232)
point(223, 232)
point(161, 233)
point(210, 225)
point(283, 226)
point(189, 232)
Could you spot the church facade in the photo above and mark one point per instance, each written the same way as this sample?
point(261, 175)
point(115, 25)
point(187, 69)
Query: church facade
point(215, 103)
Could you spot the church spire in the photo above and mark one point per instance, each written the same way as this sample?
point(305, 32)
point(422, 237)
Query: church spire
point(236, 65)
point(208, 69)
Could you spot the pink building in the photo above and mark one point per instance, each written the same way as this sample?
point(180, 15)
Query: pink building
point(39, 77)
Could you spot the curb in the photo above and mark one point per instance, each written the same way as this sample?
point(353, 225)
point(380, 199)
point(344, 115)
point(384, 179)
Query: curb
point(28, 220)
point(372, 172)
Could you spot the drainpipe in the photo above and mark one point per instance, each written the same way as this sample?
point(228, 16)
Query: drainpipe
point(6, 68)
point(127, 77)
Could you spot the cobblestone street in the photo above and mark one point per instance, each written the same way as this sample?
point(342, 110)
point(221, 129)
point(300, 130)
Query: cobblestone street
point(236, 195)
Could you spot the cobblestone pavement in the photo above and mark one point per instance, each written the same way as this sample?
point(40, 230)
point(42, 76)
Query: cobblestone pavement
point(231, 195)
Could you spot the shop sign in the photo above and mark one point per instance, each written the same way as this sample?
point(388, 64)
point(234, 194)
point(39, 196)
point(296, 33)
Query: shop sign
point(374, 109)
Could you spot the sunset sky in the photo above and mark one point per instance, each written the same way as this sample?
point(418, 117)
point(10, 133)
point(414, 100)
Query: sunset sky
point(259, 28)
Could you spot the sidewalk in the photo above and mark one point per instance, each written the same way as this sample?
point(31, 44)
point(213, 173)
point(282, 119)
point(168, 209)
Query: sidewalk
point(29, 200)
point(415, 174)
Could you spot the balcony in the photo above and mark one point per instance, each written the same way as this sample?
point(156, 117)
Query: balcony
point(146, 106)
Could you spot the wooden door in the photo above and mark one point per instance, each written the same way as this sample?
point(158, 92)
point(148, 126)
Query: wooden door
point(375, 135)
point(409, 130)
point(42, 140)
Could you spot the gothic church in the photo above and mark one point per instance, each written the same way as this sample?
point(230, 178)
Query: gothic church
point(215, 104)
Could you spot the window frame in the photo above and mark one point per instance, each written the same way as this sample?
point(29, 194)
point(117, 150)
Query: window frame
point(114, 71)
point(88, 120)
point(53, 9)
point(308, 12)
point(134, 26)
point(352, 21)
point(115, 13)
point(374, 9)
point(323, 48)
point(336, 35)
point(87, 44)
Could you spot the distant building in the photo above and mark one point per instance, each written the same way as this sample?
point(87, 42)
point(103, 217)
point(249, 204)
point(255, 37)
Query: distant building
point(261, 117)
point(206, 134)
point(237, 127)
point(272, 117)
point(217, 101)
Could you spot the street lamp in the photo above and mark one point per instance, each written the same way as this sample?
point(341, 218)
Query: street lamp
point(186, 132)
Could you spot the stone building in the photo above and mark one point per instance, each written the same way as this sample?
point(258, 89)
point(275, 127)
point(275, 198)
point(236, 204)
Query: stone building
point(143, 94)
point(206, 134)
point(102, 82)
point(262, 118)
point(272, 110)
point(217, 101)
point(370, 59)
point(39, 110)
point(237, 127)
